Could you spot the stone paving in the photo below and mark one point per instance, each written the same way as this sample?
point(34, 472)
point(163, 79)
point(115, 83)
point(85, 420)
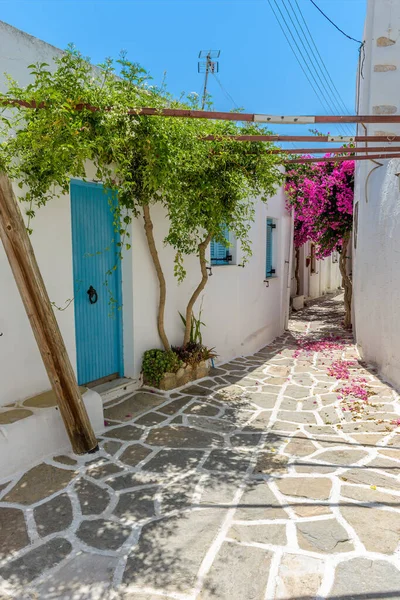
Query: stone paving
point(252, 484)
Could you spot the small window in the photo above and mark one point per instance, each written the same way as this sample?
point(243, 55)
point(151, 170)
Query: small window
point(220, 254)
point(270, 269)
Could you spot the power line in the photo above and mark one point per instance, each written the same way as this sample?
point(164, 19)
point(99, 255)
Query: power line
point(303, 68)
point(331, 102)
point(334, 24)
point(319, 60)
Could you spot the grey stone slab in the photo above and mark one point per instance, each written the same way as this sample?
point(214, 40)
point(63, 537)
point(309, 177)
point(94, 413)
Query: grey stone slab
point(363, 578)
point(13, 532)
point(371, 477)
point(31, 565)
point(219, 489)
point(296, 417)
point(270, 463)
point(172, 407)
point(318, 488)
point(248, 439)
point(211, 424)
point(298, 577)
point(84, 577)
point(378, 530)
point(126, 433)
point(103, 534)
point(132, 480)
point(136, 506)
point(170, 462)
point(133, 406)
point(178, 495)
point(238, 572)
point(196, 390)
point(260, 534)
point(260, 423)
point(171, 550)
point(284, 426)
point(112, 447)
point(92, 498)
point(297, 391)
point(300, 445)
point(259, 502)
point(103, 468)
point(323, 536)
point(65, 460)
point(202, 408)
point(226, 460)
point(38, 483)
point(150, 419)
point(174, 436)
point(134, 454)
point(54, 515)
point(341, 457)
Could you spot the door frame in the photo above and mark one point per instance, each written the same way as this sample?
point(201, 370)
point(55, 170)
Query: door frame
point(117, 273)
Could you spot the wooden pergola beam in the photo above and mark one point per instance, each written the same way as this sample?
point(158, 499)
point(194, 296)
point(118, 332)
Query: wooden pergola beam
point(28, 278)
point(222, 116)
point(333, 150)
point(341, 158)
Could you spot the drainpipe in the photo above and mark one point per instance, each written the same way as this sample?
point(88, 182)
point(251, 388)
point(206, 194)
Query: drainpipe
point(290, 266)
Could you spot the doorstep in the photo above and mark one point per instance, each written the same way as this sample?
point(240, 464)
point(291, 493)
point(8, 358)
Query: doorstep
point(32, 429)
point(112, 390)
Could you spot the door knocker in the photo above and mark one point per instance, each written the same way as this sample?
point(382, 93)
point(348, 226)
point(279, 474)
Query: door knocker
point(92, 295)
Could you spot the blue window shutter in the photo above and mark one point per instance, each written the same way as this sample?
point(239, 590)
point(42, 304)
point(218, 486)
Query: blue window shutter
point(219, 251)
point(269, 248)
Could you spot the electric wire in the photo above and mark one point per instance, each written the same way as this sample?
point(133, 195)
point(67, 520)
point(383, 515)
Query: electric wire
point(334, 24)
point(225, 91)
point(330, 99)
point(296, 55)
point(320, 62)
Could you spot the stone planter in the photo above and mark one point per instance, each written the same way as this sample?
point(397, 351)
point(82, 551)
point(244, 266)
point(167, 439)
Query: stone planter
point(184, 375)
point(298, 302)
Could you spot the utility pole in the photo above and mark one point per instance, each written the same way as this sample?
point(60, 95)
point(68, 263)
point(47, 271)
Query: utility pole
point(207, 66)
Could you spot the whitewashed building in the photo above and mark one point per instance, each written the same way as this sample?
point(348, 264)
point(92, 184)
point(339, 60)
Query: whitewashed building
point(243, 308)
point(316, 277)
point(376, 244)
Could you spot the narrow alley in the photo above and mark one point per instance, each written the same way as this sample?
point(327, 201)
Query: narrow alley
point(276, 477)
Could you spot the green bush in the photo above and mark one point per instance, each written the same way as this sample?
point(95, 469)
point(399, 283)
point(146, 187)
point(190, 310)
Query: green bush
point(157, 362)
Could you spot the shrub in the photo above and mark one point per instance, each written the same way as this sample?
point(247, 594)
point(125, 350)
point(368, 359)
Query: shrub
point(157, 362)
point(193, 353)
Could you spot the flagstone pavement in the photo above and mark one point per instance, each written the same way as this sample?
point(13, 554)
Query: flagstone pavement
point(253, 484)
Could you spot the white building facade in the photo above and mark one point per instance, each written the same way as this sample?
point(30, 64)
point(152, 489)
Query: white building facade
point(243, 308)
point(376, 243)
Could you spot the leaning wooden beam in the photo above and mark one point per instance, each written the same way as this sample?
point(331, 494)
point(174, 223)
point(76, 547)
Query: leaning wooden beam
point(34, 296)
point(342, 158)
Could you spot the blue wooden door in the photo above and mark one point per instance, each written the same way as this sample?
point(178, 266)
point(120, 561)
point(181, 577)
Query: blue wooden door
point(97, 283)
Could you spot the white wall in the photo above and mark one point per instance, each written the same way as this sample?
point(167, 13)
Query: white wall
point(376, 259)
point(241, 313)
point(326, 278)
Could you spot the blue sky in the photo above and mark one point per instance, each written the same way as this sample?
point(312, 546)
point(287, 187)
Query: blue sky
point(257, 67)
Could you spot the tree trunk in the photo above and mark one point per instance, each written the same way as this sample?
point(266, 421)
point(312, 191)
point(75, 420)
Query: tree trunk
point(148, 227)
point(199, 289)
point(348, 287)
point(297, 271)
point(21, 257)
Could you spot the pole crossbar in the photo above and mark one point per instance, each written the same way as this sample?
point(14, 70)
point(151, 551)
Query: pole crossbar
point(334, 150)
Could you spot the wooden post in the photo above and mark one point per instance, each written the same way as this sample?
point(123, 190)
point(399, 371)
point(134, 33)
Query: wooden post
point(34, 295)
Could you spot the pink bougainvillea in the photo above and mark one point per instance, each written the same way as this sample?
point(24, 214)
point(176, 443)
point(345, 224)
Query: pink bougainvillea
point(321, 195)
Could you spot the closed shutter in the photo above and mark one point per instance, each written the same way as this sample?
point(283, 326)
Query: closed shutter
point(219, 252)
point(269, 270)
